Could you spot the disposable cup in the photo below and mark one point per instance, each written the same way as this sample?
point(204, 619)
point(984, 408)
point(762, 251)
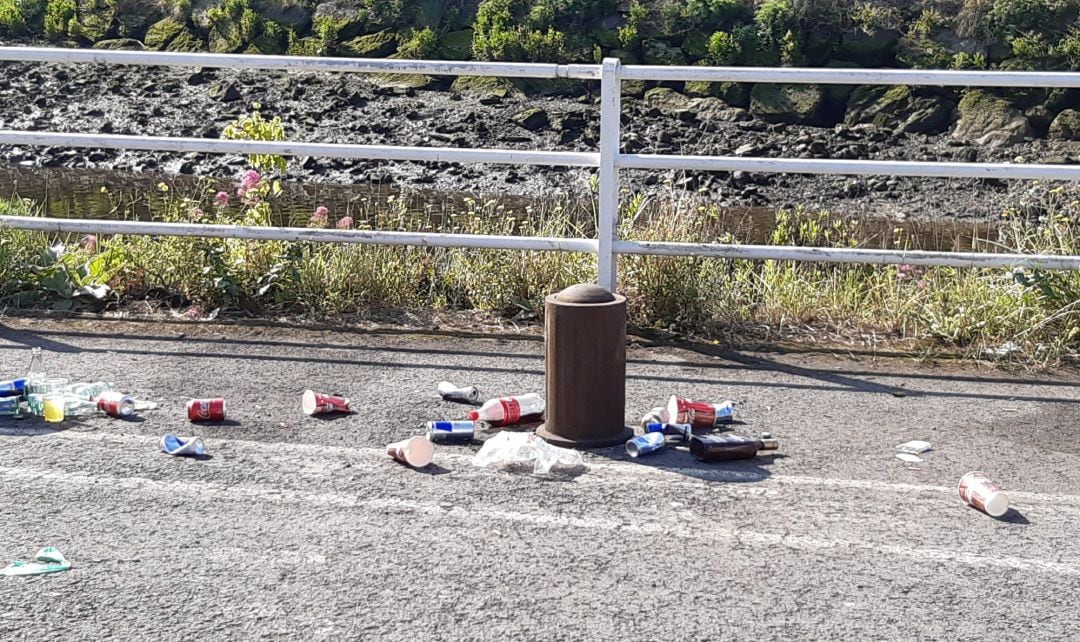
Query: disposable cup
point(414, 451)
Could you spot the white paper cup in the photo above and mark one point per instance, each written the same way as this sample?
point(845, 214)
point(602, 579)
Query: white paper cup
point(980, 491)
point(414, 451)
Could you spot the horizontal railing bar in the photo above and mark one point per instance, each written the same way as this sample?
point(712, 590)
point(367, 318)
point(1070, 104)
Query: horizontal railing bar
point(300, 63)
point(258, 233)
point(285, 148)
point(848, 255)
point(853, 167)
point(819, 76)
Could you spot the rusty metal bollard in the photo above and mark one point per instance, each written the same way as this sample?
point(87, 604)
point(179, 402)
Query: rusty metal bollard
point(585, 368)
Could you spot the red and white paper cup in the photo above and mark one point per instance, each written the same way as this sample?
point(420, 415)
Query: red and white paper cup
point(414, 451)
point(980, 491)
point(698, 414)
point(316, 403)
point(206, 409)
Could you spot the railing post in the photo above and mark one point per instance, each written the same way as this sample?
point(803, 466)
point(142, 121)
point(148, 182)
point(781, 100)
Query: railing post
point(610, 138)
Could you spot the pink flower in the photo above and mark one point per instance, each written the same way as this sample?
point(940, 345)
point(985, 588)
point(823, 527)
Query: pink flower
point(89, 242)
point(197, 213)
point(251, 179)
point(345, 223)
point(221, 199)
point(320, 217)
point(241, 192)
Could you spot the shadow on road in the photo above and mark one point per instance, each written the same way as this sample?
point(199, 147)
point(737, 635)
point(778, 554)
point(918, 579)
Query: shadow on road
point(734, 364)
point(679, 460)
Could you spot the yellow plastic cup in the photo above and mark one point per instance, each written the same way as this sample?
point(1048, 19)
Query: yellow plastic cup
point(54, 408)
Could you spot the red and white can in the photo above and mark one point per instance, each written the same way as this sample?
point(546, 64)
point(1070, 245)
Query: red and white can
point(206, 410)
point(980, 491)
point(698, 414)
point(116, 404)
point(316, 403)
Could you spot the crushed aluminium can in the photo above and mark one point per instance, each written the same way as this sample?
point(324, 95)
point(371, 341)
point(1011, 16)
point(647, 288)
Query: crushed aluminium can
point(654, 416)
point(645, 444)
point(206, 409)
point(450, 431)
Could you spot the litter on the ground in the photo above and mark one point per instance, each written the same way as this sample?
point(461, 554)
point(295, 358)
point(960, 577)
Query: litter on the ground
point(317, 403)
point(116, 404)
point(206, 409)
point(978, 490)
point(698, 413)
point(177, 447)
point(48, 560)
point(915, 447)
point(650, 442)
point(909, 458)
point(141, 406)
point(507, 411)
point(414, 451)
point(451, 431)
point(450, 392)
point(676, 432)
point(728, 447)
point(514, 450)
point(654, 416)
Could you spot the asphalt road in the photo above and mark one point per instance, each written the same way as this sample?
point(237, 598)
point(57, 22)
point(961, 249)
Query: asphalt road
point(301, 528)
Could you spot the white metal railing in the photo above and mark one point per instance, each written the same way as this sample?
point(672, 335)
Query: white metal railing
point(608, 159)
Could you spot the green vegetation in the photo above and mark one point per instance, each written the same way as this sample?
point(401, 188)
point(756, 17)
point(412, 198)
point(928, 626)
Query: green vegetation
point(939, 309)
point(1008, 34)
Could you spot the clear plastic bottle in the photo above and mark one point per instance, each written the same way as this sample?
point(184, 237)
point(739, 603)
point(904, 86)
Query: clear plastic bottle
point(88, 391)
point(35, 375)
point(509, 410)
point(76, 406)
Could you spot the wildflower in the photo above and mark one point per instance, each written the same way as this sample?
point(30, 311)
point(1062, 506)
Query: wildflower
point(905, 272)
point(89, 242)
point(345, 223)
point(251, 179)
point(320, 217)
point(241, 192)
point(221, 199)
point(197, 213)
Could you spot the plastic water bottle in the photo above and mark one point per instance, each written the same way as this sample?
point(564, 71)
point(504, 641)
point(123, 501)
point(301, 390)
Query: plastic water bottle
point(509, 410)
point(88, 391)
point(35, 375)
point(76, 406)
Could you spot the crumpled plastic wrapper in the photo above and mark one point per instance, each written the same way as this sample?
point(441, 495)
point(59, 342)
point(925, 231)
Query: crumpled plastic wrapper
point(516, 451)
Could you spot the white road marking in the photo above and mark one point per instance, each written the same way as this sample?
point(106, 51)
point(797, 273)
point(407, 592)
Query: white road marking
point(704, 530)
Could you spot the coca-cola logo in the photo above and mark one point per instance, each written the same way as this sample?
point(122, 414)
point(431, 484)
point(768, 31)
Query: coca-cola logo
point(204, 409)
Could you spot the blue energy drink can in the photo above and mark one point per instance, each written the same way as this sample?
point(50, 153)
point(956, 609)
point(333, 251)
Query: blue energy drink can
point(677, 432)
point(450, 431)
point(12, 388)
point(650, 442)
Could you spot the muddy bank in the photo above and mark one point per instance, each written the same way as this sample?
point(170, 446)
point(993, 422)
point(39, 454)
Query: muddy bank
point(353, 109)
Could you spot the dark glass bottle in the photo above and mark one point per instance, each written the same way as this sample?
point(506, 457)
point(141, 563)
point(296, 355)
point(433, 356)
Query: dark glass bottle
point(728, 447)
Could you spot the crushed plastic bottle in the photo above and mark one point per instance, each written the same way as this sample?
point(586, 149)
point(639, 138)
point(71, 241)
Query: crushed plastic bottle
point(87, 391)
point(507, 411)
point(512, 450)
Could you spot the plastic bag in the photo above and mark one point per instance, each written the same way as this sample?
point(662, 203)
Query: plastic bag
point(514, 450)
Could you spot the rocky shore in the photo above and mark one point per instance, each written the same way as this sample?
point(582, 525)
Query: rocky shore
point(765, 121)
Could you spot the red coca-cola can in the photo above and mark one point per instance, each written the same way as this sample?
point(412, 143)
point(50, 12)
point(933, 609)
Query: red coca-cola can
point(116, 404)
point(206, 410)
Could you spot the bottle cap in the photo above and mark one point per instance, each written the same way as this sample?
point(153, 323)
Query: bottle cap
point(474, 415)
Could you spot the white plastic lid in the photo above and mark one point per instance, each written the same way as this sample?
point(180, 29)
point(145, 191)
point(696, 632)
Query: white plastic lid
point(418, 452)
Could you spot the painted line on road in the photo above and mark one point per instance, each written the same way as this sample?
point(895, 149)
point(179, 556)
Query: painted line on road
point(608, 470)
point(705, 530)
